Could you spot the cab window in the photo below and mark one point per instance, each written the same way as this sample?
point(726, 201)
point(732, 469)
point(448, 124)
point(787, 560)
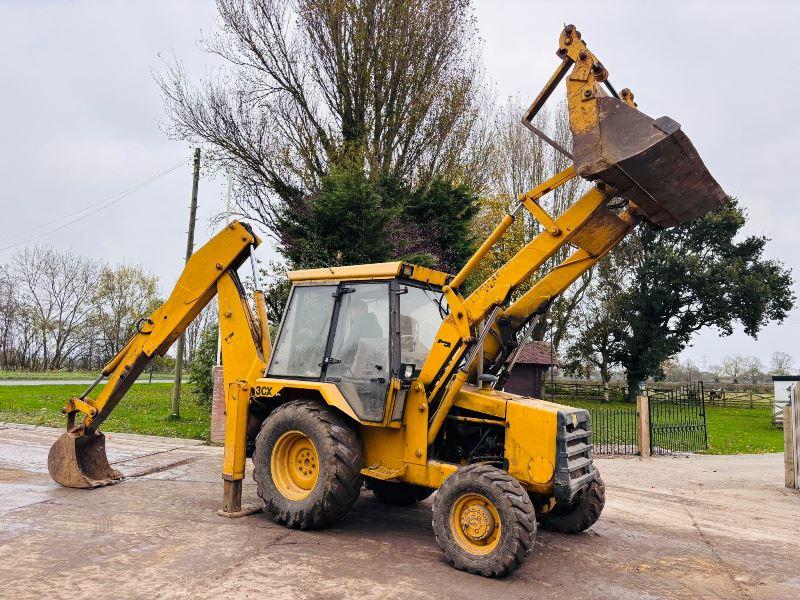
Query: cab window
point(300, 347)
point(420, 318)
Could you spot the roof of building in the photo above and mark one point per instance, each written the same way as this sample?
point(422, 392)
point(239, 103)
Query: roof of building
point(538, 353)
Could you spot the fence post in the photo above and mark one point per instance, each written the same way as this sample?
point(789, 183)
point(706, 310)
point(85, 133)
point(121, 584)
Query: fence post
point(643, 425)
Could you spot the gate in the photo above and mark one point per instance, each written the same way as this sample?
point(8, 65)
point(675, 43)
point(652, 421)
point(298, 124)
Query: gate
point(614, 431)
point(678, 419)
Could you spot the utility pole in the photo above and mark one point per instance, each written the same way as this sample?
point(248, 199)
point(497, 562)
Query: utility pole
point(227, 222)
point(179, 350)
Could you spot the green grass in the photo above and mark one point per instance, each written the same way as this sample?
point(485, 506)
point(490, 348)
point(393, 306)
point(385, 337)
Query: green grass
point(730, 430)
point(742, 431)
point(65, 375)
point(146, 409)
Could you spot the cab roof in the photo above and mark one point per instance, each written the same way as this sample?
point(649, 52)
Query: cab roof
point(387, 270)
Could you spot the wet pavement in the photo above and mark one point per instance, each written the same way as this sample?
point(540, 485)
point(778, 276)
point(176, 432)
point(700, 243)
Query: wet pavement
point(689, 527)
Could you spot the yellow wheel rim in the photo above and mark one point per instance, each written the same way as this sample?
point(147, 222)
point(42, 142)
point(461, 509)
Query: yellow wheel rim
point(475, 524)
point(295, 465)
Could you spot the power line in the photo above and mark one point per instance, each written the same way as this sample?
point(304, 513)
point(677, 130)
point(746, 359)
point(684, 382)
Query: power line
point(93, 208)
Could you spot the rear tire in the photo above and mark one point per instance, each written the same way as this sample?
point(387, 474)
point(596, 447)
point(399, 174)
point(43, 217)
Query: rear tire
point(581, 513)
point(484, 521)
point(307, 464)
point(397, 493)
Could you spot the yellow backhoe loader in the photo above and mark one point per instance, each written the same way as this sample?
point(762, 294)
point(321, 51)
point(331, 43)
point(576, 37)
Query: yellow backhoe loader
point(374, 376)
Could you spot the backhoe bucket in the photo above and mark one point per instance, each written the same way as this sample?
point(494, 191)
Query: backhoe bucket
point(650, 162)
point(79, 461)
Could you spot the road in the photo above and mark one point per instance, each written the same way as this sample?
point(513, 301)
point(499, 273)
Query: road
point(700, 526)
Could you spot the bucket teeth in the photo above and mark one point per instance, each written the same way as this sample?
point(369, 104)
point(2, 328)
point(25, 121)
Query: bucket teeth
point(650, 162)
point(79, 461)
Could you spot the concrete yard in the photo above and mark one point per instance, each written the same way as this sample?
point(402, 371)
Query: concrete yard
point(688, 527)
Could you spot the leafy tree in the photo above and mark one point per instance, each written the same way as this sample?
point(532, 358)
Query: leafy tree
point(202, 361)
point(353, 219)
point(596, 324)
point(693, 276)
point(437, 218)
point(344, 223)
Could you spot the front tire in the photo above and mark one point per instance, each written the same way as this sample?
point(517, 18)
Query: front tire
point(484, 521)
point(581, 513)
point(307, 464)
point(397, 493)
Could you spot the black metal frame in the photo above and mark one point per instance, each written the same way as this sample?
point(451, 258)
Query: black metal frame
point(614, 431)
point(678, 419)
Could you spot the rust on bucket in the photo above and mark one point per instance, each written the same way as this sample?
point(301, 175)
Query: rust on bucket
point(79, 461)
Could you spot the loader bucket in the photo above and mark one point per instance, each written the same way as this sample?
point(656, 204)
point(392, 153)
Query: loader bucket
point(79, 461)
point(650, 162)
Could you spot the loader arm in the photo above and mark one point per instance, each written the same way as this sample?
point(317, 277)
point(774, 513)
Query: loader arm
point(642, 169)
point(78, 458)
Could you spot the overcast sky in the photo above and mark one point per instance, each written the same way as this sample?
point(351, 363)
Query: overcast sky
point(82, 117)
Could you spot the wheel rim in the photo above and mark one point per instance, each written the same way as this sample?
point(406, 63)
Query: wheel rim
point(475, 524)
point(295, 465)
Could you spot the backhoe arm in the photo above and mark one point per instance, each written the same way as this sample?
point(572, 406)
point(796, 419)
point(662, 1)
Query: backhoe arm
point(195, 288)
point(78, 458)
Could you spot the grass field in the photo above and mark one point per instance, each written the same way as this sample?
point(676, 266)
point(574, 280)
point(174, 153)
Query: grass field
point(65, 375)
point(144, 409)
point(730, 430)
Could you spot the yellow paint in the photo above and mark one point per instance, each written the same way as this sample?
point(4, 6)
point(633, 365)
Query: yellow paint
point(242, 364)
point(269, 387)
point(388, 270)
point(294, 465)
point(531, 442)
point(475, 524)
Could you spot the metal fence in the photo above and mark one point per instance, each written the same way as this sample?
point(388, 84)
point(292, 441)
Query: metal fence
point(613, 430)
point(678, 419)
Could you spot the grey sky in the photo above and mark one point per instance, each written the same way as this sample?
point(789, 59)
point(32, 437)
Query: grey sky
point(81, 114)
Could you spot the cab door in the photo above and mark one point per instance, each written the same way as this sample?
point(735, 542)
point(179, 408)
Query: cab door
point(357, 359)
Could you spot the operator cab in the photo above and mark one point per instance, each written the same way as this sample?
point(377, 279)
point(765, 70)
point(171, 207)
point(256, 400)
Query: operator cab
point(359, 328)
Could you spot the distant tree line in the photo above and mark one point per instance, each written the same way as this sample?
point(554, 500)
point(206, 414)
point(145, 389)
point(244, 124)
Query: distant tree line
point(60, 310)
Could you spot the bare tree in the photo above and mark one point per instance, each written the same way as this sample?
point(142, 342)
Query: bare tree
point(194, 332)
point(672, 369)
point(307, 83)
point(781, 363)
point(124, 294)
point(59, 287)
point(734, 366)
point(753, 369)
point(9, 313)
point(520, 161)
